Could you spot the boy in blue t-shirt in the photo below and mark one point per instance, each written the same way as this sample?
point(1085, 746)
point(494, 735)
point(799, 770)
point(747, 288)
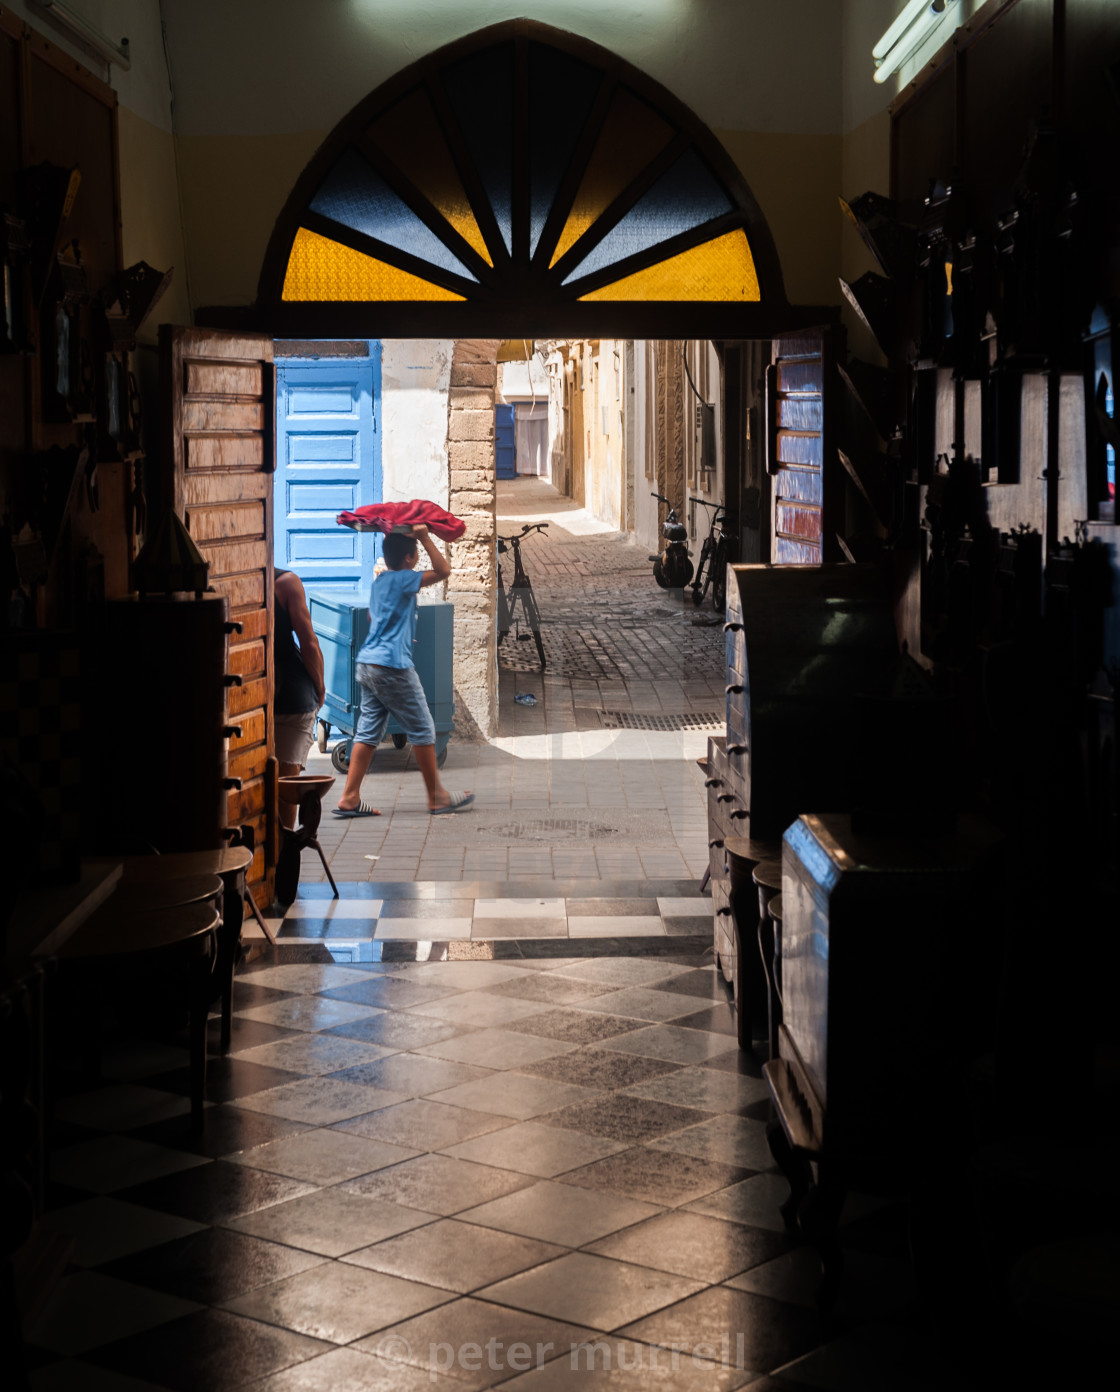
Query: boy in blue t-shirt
point(388, 679)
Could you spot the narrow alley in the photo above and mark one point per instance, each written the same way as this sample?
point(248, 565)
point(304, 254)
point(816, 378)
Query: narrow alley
point(596, 781)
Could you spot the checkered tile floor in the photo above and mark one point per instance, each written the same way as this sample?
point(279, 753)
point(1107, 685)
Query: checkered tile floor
point(480, 911)
point(481, 1169)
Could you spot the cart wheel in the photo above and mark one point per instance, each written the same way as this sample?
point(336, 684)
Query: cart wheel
point(340, 756)
point(323, 735)
point(399, 741)
point(441, 757)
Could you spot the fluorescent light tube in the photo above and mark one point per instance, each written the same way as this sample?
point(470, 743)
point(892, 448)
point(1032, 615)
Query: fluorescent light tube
point(927, 15)
point(899, 27)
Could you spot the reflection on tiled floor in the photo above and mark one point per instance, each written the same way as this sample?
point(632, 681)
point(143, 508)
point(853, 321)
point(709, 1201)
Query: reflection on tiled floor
point(424, 911)
point(459, 1172)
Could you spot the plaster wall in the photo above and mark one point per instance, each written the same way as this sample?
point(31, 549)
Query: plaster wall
point(645, 524)
point(259, 85)
point(518, 381)
point(415, 387)
point(150, 207)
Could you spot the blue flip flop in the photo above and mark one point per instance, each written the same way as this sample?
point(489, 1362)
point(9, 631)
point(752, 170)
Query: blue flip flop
point(459, 802)
point(363, 809)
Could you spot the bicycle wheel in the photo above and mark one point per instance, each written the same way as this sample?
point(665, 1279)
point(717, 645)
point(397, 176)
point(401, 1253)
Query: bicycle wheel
point(503, 614)
point(703, 574)
point(719, 581)
point(532, 615)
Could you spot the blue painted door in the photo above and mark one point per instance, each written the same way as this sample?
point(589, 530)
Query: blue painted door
point(328, 460)
point(505, 460)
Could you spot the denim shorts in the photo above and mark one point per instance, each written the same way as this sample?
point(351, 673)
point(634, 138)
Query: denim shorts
point(392, 691)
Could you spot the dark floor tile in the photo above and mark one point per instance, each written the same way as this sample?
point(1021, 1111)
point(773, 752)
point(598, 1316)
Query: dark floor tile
point(396, 1030)
point(224, 1130)
point(603, 908)
point(624, 1118)
point(656, 1176)
point(772, 1333)
point(718, 1019)
point(709, 985)
point(414, 1075)
point(347, 889)
point(746, 1061)
point(209, 1352)
point(246, 994)
point(687, 925)
point(214, 1193)
point(546, 986)
point(758, 1111)
point(227, 1079)
point(599, 1068)
point(61, 1195)
point(574, 1026)
point(211, 1266)
point(438, 1184)
point(68, 1133)
point(425, 889)
point(260, 954)
point(245, 1034)
point(692, 1244)
point(434, 909)
point(386, 991)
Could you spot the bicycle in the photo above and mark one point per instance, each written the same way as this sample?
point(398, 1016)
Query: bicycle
point(714, 556)
point(520, 590)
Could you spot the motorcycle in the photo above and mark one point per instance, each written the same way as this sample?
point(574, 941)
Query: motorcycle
point(672, 569)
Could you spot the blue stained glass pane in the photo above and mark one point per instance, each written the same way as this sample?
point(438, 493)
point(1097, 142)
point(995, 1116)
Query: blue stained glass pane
point(687, 195)
point(356, 196)
point(561, 92)
point(480, 90)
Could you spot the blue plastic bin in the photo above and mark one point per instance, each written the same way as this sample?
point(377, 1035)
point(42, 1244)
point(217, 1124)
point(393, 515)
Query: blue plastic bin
point(341, 622)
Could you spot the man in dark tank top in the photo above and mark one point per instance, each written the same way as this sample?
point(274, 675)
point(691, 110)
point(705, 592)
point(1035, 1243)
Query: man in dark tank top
point(299, 680)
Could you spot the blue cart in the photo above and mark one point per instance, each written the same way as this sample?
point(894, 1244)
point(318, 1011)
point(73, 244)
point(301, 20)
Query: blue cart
point(341, 620)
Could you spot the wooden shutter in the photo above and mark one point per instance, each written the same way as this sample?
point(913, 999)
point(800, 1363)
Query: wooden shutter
point(220, 409)
point(799, 388)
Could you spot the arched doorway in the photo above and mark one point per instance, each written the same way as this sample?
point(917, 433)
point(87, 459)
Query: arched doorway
point(522, 180)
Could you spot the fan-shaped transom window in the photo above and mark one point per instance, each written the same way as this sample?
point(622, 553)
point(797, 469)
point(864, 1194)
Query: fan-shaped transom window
point(520, 170)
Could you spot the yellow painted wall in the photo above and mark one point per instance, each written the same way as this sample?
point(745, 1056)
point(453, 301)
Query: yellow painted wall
point(152, 229)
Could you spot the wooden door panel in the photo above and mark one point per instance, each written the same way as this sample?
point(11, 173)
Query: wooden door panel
point(221, 420)
point(223, 452)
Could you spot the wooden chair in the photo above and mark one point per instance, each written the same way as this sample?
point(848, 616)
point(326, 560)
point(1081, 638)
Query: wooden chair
point(307, 794)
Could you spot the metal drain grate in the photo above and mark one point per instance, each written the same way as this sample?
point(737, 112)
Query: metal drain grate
point(668, 720)
point(553, 829)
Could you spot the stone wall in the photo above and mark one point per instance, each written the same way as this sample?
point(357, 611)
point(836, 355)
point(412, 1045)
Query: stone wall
point(472, 587)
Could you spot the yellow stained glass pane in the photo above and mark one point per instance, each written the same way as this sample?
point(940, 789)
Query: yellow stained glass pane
point(410, 135)
point(722, 269)
point(321, 269)
point(631, 136)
